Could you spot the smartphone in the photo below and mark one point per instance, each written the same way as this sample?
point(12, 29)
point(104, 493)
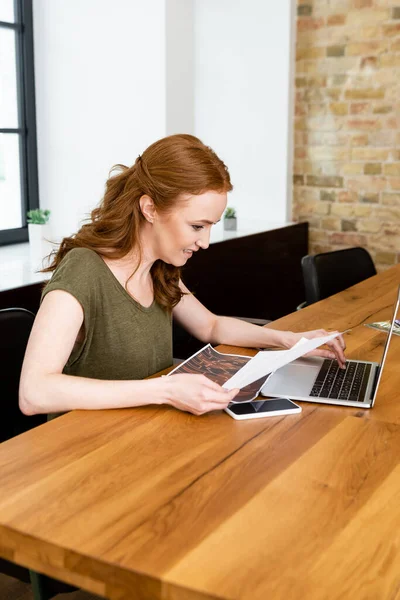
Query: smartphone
point(275, 407)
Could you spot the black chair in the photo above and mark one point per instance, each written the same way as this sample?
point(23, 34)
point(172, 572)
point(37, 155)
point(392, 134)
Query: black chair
point(328, 273)
point(15, 328)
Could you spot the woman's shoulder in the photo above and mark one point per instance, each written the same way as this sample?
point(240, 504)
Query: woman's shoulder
point(79, 262)
point(81, 257)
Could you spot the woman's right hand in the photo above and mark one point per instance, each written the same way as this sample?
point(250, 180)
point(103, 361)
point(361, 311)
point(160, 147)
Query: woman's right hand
point(197, 394)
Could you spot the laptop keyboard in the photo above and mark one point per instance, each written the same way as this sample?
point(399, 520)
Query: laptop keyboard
point(341, 384)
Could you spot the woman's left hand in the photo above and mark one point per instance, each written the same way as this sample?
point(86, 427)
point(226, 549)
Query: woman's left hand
point(337, 345)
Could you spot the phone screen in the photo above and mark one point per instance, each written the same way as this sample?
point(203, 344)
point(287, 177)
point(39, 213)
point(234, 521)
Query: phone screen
point(247, 408)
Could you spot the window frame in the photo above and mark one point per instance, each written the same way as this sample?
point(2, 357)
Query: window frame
point(23, 26)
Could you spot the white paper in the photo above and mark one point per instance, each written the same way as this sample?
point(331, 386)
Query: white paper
point(268, 362)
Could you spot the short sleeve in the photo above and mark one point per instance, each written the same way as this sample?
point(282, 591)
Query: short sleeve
point(75, 275)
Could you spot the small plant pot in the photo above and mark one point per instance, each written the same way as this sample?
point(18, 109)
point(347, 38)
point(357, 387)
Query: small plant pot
point(230, 224)
point(38, 246)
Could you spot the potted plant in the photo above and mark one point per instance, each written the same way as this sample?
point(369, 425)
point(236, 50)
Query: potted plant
point(230, 220)
point(37, 220)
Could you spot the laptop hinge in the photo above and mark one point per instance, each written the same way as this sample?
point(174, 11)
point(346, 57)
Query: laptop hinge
point(373, 388)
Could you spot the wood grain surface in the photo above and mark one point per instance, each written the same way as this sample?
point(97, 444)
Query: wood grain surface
point(152, 503)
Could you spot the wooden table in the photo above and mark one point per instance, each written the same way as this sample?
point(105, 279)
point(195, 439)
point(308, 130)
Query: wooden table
point(151, 503)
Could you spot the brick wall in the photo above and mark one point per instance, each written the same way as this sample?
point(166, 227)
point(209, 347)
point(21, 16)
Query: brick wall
point(347, 125)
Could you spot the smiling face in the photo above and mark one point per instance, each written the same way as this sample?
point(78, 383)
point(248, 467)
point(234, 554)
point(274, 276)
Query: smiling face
point(186, 228)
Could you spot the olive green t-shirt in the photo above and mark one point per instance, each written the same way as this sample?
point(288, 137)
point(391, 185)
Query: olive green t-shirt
point(122, 338)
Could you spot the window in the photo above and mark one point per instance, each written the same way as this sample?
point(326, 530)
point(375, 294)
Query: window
point(18, 153)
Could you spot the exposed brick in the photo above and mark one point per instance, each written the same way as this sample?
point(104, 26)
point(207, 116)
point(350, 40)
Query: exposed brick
point(304, 10)
point(391, 199)
point(300, 123)
point(367, 184)
point(327, 153)
point(373, 169)
point(369, 226)
point(382, 138)
point(347, 196)
point(327, 196)
point(381, 109)
point(369, 198)
point(362, 4)
point(369, 154)
point(337, 80)
point(392, 169)
point(298, 179)
point(324, 181)
point(317, 236)
point(316, 110)
point(360, 108)
point(334, 20)
point(300, 109)
point(333, 51)
point(370, 32)
point(339, 108)
point(360, 140)
point(300, 152)
point(365, 93)
point(396, 12)
point(331, 224)
point(348, 225)
point(348, 239)
point(317, 81)
point(387, 213)
point(387, 258)
point(391, 30)
point(370, 16)
point(301, 81)
point(395, 46)
point(369, 63)
point(309, 24)
point(366, 48)
point(352, 169)
point(390, 61)
point(363, 124)
point(322, 208)
point(333, 93)
point(342, 210)
point(362, 210)
point(394, 183)
point(310, 53)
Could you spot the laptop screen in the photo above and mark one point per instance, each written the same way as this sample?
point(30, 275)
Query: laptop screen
point(385, 350)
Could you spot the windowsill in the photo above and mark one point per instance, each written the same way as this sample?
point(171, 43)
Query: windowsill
point(17, 269)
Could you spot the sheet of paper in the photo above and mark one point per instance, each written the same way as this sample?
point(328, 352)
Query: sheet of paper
point(268, 362)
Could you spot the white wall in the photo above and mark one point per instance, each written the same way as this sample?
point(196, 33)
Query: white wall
point(243, 98)
point(179, 66)
point(112, 77)
point(100, 94)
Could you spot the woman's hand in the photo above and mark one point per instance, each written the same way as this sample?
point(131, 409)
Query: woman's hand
point(337, 345)
point(197, 394)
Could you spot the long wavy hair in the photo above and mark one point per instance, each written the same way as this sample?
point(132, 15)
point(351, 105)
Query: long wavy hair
point(175, 165)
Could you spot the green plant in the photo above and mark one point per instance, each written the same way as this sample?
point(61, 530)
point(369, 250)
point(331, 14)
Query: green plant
point(230, 213)
point(38, 216)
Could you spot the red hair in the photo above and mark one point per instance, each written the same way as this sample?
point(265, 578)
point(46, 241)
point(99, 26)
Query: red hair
point(175, 165)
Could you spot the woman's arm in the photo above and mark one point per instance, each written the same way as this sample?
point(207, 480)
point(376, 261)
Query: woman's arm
point(207, 327)
point(44, 388)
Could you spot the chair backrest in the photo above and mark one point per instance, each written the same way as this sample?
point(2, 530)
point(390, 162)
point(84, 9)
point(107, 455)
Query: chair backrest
point(328, 273)
point(15, 328)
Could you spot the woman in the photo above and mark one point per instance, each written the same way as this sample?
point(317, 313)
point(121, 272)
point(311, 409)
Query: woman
point(104, 323)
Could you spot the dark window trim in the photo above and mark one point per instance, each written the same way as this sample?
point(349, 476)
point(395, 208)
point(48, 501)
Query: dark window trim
point(27, 115)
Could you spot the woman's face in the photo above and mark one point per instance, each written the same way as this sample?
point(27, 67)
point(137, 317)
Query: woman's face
point(187, 227)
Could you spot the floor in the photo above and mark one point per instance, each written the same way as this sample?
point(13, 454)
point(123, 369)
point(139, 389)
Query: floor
point(13, 589)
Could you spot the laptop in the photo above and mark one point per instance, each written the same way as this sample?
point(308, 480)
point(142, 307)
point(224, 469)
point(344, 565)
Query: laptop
point(321, 380)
